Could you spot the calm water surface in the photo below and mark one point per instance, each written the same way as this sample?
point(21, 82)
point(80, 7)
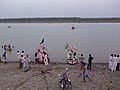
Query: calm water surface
point(99, 39)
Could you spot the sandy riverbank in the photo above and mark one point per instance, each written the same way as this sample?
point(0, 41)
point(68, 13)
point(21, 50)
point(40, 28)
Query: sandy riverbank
point(41, 77)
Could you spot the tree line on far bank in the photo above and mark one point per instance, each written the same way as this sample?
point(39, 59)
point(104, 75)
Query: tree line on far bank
point(60, 20)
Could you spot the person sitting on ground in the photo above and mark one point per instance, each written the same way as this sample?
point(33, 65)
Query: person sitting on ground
point(84, 71)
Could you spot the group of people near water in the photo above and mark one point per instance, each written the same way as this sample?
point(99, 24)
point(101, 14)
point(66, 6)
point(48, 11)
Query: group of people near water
point(7, 47)
point(114, 62)
point(42, 57)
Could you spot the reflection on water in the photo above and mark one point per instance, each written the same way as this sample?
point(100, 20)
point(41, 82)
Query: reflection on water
point(98, 39)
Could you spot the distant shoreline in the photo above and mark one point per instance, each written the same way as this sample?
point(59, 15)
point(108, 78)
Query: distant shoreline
point(60, 20)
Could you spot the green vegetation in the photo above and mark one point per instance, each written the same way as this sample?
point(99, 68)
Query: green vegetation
point(60, 20)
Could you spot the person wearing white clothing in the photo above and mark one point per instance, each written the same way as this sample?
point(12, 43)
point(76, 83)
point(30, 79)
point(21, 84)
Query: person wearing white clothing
point(18, 55)
point(110, 61)
point(25, 64)
point(46, 59)
point(114, 63)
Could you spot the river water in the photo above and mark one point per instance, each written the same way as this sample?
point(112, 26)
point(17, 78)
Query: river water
point(99, 39)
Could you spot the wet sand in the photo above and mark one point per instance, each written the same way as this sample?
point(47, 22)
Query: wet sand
point(40, 77)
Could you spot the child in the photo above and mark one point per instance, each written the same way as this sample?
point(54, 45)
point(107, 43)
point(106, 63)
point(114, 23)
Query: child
point(84, 71)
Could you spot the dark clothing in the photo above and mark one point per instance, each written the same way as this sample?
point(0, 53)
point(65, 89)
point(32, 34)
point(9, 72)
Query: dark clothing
point(48, 60)
point(4, 56)
point(36, 54)
point(90, 62)
point(117, 68)
point(0, 59)
point(21, 64)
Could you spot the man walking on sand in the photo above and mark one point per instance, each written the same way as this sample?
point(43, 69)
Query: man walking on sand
point(84, 71)
point(90, 61)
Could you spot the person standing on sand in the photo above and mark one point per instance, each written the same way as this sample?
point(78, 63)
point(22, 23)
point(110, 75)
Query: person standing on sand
point(18, 55)
point(4, 57)
point(21, 63)
point(90, 61)
point(46, 59)
point(114, 63)
point(84, 71)
point(110, 61)
point(25, 64)
point(118, 63)
point(27, 57)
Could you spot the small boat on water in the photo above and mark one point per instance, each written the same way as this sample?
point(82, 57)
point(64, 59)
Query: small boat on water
point(8, 26)
point(73, 27)
point(72, 55)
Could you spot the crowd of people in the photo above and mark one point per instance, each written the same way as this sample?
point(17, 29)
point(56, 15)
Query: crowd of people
point(41, 56)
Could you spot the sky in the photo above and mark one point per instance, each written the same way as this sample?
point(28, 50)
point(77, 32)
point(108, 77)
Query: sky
point(59, 8)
